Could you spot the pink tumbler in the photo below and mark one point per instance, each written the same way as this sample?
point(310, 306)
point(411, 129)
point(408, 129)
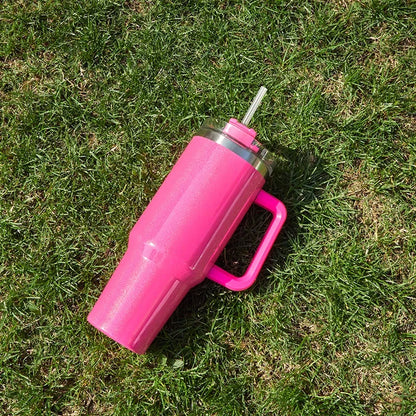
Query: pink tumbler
point(178, 238)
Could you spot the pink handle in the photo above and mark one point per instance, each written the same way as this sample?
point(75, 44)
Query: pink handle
point(276, 207)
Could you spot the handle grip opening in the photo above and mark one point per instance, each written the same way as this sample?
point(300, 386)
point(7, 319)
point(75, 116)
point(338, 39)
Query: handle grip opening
point(228, 280)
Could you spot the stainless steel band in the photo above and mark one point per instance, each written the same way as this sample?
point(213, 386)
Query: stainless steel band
point(245, 153)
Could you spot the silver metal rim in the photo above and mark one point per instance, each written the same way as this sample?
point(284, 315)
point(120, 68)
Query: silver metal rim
point(245, 153)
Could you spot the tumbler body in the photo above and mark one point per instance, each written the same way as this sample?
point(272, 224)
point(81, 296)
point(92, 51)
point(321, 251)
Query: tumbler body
point(176, 241)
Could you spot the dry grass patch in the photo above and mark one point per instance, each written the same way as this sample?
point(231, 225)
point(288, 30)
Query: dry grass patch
point(140, 7)
point(379, 217)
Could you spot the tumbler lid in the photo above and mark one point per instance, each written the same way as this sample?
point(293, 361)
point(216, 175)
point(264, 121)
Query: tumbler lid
point(238, 138)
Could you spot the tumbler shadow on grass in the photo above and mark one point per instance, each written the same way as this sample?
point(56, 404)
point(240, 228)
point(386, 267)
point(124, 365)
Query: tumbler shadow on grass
point(298, 179)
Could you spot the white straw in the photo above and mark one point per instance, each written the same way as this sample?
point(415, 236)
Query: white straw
point(254, 105)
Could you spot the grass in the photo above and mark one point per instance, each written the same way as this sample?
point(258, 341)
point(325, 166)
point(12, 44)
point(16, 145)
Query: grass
point(98, 99)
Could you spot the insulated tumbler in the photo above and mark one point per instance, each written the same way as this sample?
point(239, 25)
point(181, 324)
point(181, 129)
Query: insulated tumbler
point(176, 241)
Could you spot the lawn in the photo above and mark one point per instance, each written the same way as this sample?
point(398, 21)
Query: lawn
point(97, 101)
